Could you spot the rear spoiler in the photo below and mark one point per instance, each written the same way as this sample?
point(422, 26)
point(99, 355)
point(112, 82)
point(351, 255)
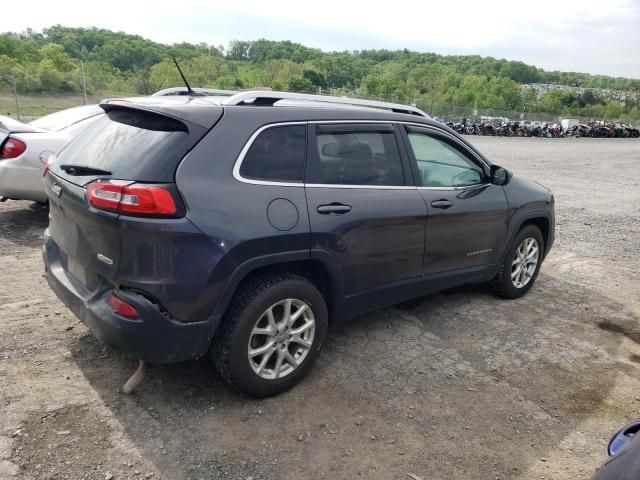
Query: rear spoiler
point(191, 110)
point(11, 125)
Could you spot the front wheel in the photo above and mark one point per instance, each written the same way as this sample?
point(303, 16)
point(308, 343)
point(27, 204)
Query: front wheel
point(521, 264)
point(272, 334)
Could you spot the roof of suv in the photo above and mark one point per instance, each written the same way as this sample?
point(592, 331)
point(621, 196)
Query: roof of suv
point(199, 109)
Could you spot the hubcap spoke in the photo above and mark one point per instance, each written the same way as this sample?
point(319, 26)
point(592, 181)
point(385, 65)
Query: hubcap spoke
point(263, 331)
point(286, 316)
point(262, 349)
point(278, 366)
point(297, 315)
point(271, 320)
point(516, 272)
point(303, 328)
point(301, 341)
point(290, 359)
point(264, 360)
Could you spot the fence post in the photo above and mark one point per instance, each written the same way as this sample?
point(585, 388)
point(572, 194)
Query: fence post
point(84, 84)
point(15, 94)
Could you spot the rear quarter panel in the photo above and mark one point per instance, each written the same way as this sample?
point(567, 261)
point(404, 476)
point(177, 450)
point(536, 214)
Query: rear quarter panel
point(233, 214)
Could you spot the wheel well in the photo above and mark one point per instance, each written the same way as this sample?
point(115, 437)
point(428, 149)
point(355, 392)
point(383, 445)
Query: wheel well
point(543, 224)
point(312, 270)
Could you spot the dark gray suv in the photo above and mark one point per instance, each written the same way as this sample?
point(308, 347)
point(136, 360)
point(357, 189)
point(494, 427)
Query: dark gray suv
point(243, 225)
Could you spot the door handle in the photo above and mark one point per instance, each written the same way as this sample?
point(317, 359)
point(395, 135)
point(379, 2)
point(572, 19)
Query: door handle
point(334, 209)
point(441, 204)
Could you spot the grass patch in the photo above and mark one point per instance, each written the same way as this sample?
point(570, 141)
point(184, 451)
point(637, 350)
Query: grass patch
point(33, 106)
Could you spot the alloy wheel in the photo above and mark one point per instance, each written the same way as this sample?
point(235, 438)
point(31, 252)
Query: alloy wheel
point(281, 338)
point(525, 262)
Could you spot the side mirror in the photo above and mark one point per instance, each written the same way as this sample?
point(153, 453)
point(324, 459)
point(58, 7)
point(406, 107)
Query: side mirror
point(622, 438)
point(499, 175)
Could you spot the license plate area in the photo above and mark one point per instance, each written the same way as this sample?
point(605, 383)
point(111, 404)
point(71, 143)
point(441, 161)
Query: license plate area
point(78, 271)
point(81, 234)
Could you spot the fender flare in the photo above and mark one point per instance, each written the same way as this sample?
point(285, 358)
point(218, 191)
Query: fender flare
point(249, 266)
point(529, 216)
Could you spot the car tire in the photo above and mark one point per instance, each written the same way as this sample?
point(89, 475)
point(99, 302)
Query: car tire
point(504, 283)
point(241, 334)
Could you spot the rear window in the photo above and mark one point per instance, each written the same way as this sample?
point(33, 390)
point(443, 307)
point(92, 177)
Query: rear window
point(131, 144)
point(277, 154)
point(65, 118)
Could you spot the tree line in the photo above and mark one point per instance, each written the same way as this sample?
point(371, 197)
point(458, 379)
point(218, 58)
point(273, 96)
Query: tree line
point(114, 62)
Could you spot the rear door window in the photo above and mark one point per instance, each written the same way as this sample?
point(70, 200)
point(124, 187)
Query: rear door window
point(277, 154)
point(352, 154)
point(131, 144)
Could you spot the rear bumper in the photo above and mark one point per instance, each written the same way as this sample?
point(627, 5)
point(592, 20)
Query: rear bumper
point(154, 337)
point(21, 181)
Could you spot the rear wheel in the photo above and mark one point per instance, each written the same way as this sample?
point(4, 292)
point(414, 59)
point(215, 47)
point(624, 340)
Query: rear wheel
point(271, 335)
point(521, 264)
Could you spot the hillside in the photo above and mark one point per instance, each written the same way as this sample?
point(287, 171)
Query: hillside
point(50, 62)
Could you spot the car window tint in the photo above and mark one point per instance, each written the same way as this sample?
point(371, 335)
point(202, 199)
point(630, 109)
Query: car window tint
point(277, 154)
point(357, 158)
point(442, 165)
point(131, 144)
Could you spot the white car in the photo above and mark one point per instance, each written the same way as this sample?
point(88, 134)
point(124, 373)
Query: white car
point(25, 148)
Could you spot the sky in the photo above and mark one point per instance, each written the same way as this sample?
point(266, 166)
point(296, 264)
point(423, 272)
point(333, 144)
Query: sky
point(593, 36)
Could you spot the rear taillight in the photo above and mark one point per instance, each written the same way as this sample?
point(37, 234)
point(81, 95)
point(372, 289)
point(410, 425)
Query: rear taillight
point(122, 308)
point(12, 148)
point(131, 198)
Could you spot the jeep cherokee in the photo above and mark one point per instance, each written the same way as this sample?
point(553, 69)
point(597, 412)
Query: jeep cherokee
point(239, 226)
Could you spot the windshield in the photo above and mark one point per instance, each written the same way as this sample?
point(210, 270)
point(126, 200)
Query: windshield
point(65, 118)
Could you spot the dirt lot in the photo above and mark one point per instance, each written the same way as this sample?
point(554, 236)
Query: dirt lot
point(455, 385)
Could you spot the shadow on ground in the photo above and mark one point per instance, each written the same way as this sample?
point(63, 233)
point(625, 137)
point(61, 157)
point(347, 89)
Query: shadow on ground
point(460, 384)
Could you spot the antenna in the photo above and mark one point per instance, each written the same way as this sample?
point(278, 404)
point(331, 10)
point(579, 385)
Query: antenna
point(190, 90)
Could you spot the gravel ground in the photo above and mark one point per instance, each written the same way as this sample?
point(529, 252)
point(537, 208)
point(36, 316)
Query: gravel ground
point(455, 385)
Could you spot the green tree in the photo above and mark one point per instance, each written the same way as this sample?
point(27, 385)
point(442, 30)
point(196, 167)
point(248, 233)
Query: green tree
point(57, 57)
point(316, 78)
point(300, 83)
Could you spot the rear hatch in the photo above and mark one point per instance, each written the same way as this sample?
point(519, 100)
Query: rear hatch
point(123, 164)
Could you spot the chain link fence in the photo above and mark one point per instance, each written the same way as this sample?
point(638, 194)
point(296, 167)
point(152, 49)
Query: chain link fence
point(449, 112)
point(28, 107)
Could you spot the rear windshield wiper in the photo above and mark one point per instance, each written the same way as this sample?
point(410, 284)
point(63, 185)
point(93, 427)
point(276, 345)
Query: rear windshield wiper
point(83, 170)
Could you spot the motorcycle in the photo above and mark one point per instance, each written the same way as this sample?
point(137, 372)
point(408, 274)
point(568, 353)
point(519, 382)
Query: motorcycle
point(584, 130)
point(631, 131)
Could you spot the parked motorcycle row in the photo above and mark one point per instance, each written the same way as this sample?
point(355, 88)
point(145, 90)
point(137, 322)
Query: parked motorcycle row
point(604, 130)
point(544, 130)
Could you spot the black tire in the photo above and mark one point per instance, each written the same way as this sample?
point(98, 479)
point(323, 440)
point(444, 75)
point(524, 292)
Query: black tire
point(230, 346)
point(502, 283)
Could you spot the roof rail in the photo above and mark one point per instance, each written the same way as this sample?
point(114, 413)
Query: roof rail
point(270, 98)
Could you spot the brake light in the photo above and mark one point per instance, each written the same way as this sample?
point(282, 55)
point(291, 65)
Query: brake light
point(126, 197)
point(12, 148)
point(147, 199)
point(122, 308)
